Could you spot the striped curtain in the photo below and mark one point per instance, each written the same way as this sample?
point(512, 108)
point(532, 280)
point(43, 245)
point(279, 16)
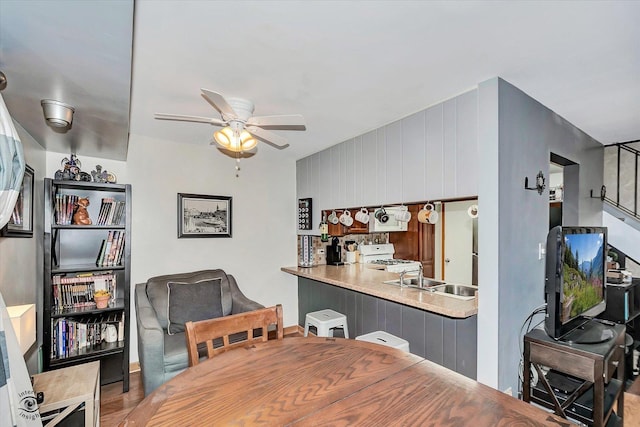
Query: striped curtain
point(18, 406)
point(11, 164)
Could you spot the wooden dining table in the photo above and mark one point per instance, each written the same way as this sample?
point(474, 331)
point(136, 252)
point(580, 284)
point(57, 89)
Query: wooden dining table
point(316, 381)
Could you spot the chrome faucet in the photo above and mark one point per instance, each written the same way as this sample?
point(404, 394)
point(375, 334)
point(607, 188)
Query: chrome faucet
point(402, 273)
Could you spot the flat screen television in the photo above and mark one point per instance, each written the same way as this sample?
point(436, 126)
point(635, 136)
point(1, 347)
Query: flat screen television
point(575, 283)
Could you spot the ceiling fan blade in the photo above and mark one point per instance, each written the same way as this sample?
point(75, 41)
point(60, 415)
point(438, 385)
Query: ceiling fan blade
point(282, 122)
point(220, 104)
point(199, 119)
point(267, 137)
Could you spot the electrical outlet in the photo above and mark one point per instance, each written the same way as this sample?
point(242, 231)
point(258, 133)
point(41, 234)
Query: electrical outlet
point(320, 251)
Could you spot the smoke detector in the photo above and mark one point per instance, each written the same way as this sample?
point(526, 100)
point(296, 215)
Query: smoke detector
point(57, 114)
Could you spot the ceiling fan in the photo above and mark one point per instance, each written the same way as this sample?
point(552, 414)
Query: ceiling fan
point(241, 129)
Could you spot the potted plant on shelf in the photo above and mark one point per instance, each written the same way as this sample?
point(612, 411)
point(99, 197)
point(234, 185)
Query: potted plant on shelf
point(101, 297)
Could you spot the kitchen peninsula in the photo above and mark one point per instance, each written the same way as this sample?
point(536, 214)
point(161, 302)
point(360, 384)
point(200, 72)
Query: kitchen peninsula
point(441, 328)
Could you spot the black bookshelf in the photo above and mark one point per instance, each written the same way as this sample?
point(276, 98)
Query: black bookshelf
point(71, 251)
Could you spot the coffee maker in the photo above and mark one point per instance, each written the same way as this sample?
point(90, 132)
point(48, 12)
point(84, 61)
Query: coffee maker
point(334, 252)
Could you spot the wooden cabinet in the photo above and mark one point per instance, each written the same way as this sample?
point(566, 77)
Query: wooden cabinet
point(67, 390)
point(417, 243)
point(74, 330)
point(337, 230)
point(600, 367)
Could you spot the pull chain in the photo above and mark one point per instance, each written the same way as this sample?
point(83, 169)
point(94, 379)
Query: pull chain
point(237, 165)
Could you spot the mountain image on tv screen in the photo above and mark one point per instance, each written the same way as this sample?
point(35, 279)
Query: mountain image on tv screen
point(583, 274)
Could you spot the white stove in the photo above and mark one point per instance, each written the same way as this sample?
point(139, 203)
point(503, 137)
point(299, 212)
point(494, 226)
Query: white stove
point(381, 257)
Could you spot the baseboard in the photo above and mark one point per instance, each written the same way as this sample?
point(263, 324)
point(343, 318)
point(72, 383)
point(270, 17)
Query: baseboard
point(292, 330)
point(134, 367)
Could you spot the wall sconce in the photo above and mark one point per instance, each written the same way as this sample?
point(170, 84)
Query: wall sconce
point(539, 183)
point(23, 319)
point(603, 193)
point(57, 114)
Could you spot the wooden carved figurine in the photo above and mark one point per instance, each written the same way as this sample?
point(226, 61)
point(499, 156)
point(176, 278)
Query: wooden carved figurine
point(81, 216)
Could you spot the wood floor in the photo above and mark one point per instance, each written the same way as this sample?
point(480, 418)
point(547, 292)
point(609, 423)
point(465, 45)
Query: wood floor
point(115, 405)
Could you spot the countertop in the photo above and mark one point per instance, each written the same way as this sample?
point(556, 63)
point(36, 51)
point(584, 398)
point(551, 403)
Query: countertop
point(360, 278)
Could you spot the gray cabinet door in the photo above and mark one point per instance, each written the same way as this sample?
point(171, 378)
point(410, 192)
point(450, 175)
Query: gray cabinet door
point(381, 162)
point(324, 173)
point(301, 178)
point(350, 174)
point(413, 161)
point(434, 152)
point(370, 168)
point(335, 199)
point(467, 144)
point(450, 151)
point(394, 163)
point(357, 170)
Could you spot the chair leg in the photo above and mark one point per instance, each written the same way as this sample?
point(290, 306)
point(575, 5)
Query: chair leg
point(345, 328)
point(306, 328)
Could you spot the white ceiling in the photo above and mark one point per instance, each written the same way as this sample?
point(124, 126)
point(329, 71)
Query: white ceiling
point(348, 67)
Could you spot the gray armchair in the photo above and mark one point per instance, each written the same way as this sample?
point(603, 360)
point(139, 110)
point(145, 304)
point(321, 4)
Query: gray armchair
point(163, 355)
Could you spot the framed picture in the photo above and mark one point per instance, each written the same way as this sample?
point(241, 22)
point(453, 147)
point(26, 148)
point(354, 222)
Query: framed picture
point(21, 222)
point(204, 216)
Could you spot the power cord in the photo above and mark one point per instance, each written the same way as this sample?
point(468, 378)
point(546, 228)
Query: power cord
point(542, 309)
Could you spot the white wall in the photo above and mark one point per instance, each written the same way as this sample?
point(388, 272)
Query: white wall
point(21, 263)
point(263, 209)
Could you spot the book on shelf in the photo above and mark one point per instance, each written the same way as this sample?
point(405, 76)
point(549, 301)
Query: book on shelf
point(110, 253)
point(70, 335)
point(77, 291)
point(111, 211)
point(64, 207)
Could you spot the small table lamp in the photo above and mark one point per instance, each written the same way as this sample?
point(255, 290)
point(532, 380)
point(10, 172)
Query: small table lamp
point(23, 319)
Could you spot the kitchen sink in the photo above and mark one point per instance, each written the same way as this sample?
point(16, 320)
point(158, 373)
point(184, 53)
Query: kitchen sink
point(412, 282)
point(458, 290)
point(438, 287)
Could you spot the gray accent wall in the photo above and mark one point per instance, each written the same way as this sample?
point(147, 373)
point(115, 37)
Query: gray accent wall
point(516, 143)
point(446, 341)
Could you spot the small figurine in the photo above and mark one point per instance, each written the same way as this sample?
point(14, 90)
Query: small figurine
point(81, 216)
point(70, 169)
point(99, 175)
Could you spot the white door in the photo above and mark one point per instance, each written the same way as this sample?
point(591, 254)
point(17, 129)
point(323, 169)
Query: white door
point(458, 242)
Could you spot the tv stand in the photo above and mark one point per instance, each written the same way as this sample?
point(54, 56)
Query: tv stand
point(590, 332)
point(596, 365)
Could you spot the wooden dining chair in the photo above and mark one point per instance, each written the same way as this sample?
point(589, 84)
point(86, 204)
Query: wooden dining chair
point(225, 331)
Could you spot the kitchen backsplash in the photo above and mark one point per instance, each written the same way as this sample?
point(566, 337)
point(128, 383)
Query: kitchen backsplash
point(360, 239)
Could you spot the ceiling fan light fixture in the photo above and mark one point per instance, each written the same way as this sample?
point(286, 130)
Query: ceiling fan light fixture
point(238, 141)
point(57, 114)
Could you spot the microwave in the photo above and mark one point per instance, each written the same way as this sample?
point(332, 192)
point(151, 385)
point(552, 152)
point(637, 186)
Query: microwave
point(392, 223)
